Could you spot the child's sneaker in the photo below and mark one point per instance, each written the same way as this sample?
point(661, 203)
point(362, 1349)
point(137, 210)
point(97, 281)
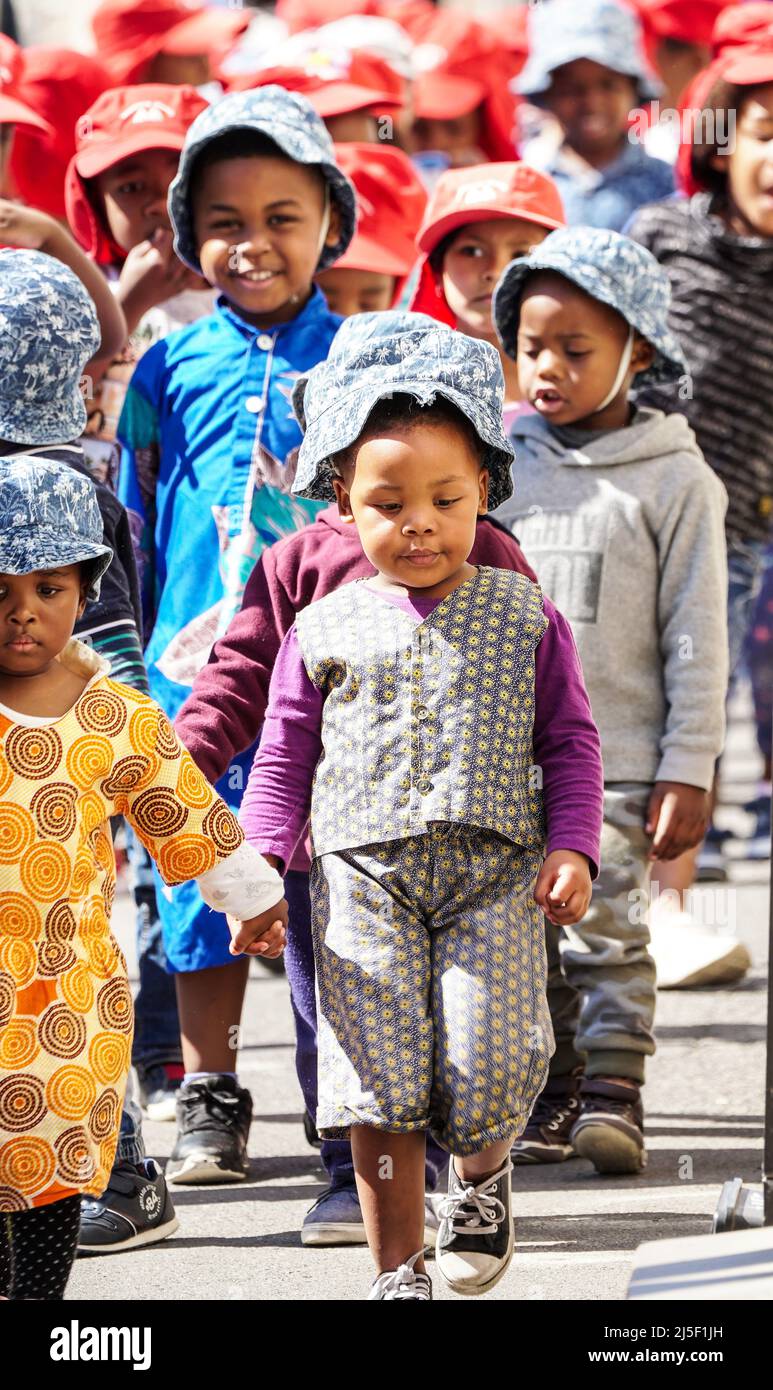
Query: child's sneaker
point(213, 1125)
point(757, 846)
point(135, 1209)
point(610, 1128)
point(475, 1238)
point(336, 1219)
point(711, 866)
point(547, 1136)
point(403, 1285)
point(158, 1087)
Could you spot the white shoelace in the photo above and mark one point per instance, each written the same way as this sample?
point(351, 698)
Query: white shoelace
point(403, 1284)
point(484, 1213)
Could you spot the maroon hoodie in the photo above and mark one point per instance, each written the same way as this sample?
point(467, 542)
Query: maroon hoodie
point(224, 712)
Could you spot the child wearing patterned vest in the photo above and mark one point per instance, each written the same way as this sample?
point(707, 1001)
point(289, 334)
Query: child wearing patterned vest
point(77, 748)
point(435, 722)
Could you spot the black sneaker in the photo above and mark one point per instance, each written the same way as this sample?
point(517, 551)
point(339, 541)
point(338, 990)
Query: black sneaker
point(158, 1087)
point(135, 1209)
point(610, 1129)
point(213, 1125)
point(757, 845)
point(475, 1238)
point(547, 1136)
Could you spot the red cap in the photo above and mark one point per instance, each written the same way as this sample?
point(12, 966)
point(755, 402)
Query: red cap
point(488, 191)
point(60, 85)
point(390, 204)
point(13, 110)
point(751, 63)
point(741, 24)
point(511, 28)
point(334, 82)
point(741, 65)
point(310, 14)
point(463, 65)
point(129, 33)
point(123, 121)
point(689, 21)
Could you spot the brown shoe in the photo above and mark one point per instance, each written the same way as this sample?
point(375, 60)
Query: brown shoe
point(547, 1136)
point(610, 1128)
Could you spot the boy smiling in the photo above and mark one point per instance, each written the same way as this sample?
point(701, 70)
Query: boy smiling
point(209, 441)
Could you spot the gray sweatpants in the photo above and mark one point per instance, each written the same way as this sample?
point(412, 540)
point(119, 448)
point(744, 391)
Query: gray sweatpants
point(601, 976)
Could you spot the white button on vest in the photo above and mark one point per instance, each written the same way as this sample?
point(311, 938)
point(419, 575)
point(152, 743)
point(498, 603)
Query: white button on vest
point(254, 404)
point(265, 341)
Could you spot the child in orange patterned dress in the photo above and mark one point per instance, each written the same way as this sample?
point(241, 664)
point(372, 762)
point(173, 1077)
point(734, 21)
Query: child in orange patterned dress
point(75, 749)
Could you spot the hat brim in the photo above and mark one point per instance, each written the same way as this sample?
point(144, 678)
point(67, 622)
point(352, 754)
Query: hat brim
point(314, 476)
point(435, 233)
point(535, 79)
point(341, 191)
point(747, 69)
point(100, 158)
point(669, 364)
point(210, 29)
point(20, 554)
point(368, 253)
point(338, 98)
point(13, 112)
point(35, 422)
point(442, 96)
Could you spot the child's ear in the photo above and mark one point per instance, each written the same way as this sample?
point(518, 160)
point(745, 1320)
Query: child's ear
point(483, 482)
point(334, 226)
point(643, 354)
point(343, 500)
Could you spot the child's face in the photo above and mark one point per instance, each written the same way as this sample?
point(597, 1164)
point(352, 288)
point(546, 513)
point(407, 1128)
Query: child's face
point(174, 69)
point(458, 138)
point(353, 125)
point(257, 224)
point(134, 194)
point(569, 350)
point(414, 495)
point(356, 291)
point(38, 612)
point(474, 262)
point(592, 104)
point(749, 166)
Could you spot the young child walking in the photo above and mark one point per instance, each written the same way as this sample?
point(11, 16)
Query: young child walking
point(622, 519)
point(410, 712)
point(75, 749)
point(259, 206)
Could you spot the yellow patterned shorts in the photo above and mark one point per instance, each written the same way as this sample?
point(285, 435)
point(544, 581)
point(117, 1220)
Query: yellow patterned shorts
point(430, 958)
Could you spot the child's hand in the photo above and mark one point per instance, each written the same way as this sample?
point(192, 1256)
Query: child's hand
point(25, 228)
point(264, 935)
point(152, 273)
point(563, 887)
point(677, 817)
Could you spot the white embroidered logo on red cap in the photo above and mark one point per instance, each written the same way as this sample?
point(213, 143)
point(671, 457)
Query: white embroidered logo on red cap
point(142, 112)
point(485, 191)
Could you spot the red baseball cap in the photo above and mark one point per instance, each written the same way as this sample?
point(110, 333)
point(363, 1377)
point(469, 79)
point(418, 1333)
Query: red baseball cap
point(489, 191)
point(741, 24)
point(390, 204)
point(122, 122)
point(749, 65)
point(129, 33)
point(689, 21)
point(463, 65)
point(59, 84)
point(13, 110)
point(335, 82)
point(310, 14)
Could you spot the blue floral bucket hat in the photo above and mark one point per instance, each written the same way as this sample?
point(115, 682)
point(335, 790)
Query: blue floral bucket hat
point(375, 356)
point(611, 268)
point(49, 517)
point(48, 331)
point(561, 31)
point(295, 128)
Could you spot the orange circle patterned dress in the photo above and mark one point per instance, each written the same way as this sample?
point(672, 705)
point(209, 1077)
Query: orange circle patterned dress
point(66, 1014)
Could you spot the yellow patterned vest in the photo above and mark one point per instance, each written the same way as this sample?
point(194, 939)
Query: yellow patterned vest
point(425, 722)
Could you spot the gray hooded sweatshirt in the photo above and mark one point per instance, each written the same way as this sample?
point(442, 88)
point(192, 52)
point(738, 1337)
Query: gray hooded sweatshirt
point(626, 535)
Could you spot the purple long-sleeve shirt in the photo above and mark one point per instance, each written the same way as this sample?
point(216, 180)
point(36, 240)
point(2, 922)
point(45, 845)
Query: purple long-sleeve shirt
point(276, 804)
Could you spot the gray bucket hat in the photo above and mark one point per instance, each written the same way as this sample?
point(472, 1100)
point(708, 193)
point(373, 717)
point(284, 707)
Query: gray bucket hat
point(295, 128)
point(561, 31)
point(48, 331)
point(375, 356)
point(49, 517)
point(611, 268)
